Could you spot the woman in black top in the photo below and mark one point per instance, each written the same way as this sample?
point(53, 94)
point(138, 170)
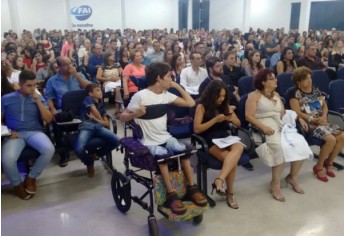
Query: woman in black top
point(212, 118)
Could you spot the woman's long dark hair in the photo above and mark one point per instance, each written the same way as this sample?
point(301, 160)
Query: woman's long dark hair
point(5, 84)
point(209, 97)
point(282, 58)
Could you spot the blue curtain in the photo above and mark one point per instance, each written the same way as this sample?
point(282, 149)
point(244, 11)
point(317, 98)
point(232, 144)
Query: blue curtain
point(295, 14)
point(182, 14)
point(325, 15)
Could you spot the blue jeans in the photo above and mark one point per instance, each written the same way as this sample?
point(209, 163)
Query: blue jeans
point(172, 145)
point(89, 130)
point(12, 148)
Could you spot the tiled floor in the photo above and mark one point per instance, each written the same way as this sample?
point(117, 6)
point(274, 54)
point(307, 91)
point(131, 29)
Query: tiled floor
point(69, 203)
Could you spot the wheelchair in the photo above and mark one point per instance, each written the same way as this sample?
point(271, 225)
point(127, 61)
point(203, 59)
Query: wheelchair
point(137, 155)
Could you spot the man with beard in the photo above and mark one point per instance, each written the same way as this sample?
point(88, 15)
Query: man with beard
point(215, 72)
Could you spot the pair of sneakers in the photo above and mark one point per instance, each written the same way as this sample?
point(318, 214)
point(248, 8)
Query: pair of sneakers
point(193, 194)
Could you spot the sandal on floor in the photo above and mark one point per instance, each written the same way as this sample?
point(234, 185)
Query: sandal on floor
point(231, 200)
point(329, 171)
point(220, 191)
point(317, 173)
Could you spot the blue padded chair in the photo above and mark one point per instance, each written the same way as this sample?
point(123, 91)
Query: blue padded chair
point(321, 81)
point(245, 85)
point(284, 83)
point(340, 73)
point(336, 96)
point(71, 102)
point(180, 121)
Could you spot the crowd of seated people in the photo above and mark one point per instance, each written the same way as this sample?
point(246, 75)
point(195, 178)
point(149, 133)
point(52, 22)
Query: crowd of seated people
point(72, 59)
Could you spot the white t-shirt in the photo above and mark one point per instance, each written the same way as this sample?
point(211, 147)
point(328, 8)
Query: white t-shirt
point(154, 130)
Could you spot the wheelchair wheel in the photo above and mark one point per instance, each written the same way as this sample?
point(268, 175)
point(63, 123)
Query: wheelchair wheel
point(121, 189)
point(198, 219)
point(153, 227)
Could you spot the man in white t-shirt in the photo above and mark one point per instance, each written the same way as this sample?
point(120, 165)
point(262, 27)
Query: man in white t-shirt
point(155, 134)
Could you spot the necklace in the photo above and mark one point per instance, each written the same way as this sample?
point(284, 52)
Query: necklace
point(270, 96)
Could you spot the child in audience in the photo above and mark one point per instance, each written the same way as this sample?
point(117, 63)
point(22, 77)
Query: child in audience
point(95, 124)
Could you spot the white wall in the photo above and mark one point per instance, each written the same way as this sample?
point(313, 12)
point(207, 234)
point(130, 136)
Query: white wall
point(226, 14)
point(5, 17)
point(150, 14)
point(105, 14)
point(270, 14)
point(55, 14)
point(49, 14)
point(258, 14)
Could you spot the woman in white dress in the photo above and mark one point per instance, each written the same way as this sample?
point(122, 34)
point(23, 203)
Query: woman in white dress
point(264, 110)
point(109, 74)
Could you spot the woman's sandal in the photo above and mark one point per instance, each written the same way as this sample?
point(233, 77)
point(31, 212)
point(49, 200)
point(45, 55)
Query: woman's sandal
point(294, 186)
point(231, 200)
point(329, 171)
point(221, 191)
point(317, 173)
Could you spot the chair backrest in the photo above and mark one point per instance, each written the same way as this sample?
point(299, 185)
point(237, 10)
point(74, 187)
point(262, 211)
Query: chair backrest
point(241, 111)
point(287, 96)
point(336, 95)
point(72, 101)
point(284, 83)
point(180, 120)
point(321, 80)
point(245, 85)
point(340, 73)
point(140, 82)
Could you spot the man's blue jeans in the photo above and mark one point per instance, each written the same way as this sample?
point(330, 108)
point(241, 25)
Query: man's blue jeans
point(89, 130)
point(12, 148)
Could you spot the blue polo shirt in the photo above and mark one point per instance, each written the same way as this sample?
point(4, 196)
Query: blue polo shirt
point(21, 112)
point(57, 86)
point(86, 106)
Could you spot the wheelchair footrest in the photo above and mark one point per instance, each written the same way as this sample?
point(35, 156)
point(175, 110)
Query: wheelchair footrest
point(192, 211)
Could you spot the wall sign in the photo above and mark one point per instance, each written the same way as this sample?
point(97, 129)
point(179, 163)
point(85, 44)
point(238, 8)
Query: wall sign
point(81, 13)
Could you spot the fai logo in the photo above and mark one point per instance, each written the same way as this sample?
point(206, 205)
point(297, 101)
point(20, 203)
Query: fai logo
point(82, 13)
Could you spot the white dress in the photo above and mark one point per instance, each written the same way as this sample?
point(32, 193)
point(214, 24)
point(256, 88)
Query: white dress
point(268, 112)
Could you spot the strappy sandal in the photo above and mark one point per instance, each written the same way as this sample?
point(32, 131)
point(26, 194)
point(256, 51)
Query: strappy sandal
point(328, 166)
point(221, 191)
point(231, 200)
point(317, 173)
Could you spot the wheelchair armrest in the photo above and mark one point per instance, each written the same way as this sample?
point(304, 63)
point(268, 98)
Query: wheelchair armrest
point(196, 139)
point(134, 145)
point(113, 122)
point(253, 129)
